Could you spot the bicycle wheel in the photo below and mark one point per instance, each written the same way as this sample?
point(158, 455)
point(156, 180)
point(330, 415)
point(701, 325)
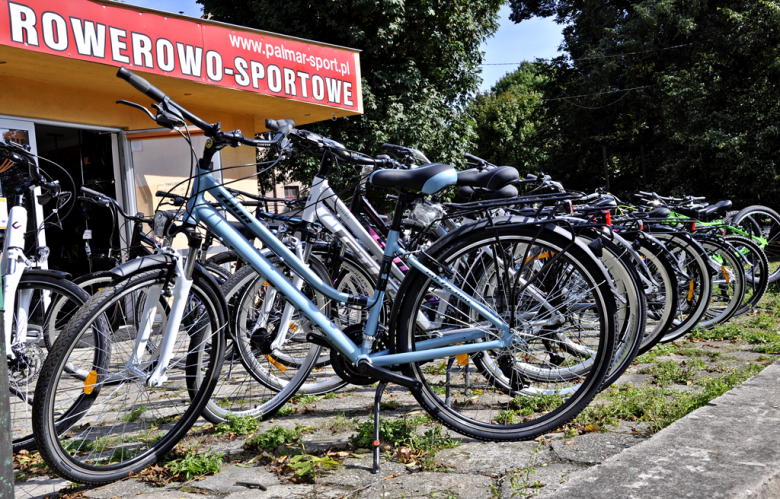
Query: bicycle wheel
point(562, 306)
point(728, 283)
point(631, 304)
point(694, 282)
point(253, 373)
point(43, 305)
point(756, 267)
point(660, 287)
point(111, 424)
point(763, 226)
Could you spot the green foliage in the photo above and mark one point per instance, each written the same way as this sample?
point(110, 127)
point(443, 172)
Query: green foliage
point(306, 466)
point(286, 410)
point(540, 402)
point(420, 59)
point(397, 431)
point(505, 120)
point(273, 438)
point(656, 405)
point(670, 372)
point(194, 464)
point(237, 425)
point(135, 414)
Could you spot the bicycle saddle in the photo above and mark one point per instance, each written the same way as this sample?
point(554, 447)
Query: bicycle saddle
point(426, 179)
point(470, 194)
point(492, 179)
point(659, 213)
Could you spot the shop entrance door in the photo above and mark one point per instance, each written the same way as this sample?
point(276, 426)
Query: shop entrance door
point(88, 239)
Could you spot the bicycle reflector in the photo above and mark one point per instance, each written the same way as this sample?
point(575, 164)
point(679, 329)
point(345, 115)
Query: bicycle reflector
point(608, 217)
point(568, 207)
point(641, 225)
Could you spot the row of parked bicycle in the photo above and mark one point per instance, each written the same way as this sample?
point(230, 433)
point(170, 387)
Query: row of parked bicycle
point(504, 312)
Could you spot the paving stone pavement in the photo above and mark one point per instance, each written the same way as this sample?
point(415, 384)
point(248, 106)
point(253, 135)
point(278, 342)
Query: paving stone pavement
point(559, 467)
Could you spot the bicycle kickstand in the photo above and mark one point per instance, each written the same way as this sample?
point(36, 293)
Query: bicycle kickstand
point(380, 389)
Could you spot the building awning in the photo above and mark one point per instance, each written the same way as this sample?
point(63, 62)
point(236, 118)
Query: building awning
point(78, 44)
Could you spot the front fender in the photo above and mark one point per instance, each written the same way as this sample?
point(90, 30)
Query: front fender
point(140, 264)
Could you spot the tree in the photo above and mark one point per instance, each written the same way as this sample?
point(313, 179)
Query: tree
point(420, 61)
point(506, 118)
point(695, 82)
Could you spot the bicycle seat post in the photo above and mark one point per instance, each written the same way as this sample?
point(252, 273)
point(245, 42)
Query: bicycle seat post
point(380, 389)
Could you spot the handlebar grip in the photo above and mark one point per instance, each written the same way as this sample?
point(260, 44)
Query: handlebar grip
point(642, 194)
point(141, 85)
point(164, 194)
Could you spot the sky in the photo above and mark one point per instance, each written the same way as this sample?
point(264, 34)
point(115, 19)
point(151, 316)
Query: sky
point(511, 43)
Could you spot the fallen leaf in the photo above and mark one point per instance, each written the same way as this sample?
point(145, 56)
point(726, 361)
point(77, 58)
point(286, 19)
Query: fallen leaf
point(570, 442)
point(689, 382)
point(592, 428)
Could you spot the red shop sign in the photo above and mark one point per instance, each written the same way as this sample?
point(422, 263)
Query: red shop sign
point(208, 53)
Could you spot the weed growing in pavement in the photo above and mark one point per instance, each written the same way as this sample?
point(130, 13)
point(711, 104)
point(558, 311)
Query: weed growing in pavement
point(541, 402)
point(398, 431)
point(135, 414)
point(194, 464)
point(274, 437)
point(330, 395)
point(520, 479)
point(343, 423)
point(306, 466)
point(305, 399)
point(286, 410)
point(657, 351)
point(669, 372)
point(755, 337)
point(656, 405)
point(237, 425)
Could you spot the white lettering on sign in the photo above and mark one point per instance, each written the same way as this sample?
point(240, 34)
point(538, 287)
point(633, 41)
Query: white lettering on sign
point(55, 31)
point(90, 37)
point(22, 20)
point(165, 60)
point(142, 50)
point(214, 65)
point(117, 45)
point(334, 90)
point(189, 59)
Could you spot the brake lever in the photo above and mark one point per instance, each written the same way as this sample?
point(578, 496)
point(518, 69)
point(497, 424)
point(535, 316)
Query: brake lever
point(167, 118)
point(137, 106)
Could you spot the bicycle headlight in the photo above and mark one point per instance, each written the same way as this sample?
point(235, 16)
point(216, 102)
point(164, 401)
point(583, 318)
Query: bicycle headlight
point(162, 221)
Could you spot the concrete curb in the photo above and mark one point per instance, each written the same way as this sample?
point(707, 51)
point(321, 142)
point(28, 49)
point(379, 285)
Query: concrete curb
point(729, 448)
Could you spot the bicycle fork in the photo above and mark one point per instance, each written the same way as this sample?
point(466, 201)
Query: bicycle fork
point(181, 290)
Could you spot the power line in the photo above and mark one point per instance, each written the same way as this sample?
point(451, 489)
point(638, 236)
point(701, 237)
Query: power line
point(593, 58)
point(601, 93)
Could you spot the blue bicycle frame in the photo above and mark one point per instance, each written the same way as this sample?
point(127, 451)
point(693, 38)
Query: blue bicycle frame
point(200, 210)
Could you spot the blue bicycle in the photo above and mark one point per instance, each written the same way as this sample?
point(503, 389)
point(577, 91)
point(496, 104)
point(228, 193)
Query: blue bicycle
point(528, 293)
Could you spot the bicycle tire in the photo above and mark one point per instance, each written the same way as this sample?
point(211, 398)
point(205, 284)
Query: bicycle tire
point(728, 285)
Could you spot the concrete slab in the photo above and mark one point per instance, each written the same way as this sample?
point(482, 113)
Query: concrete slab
point(729, 448)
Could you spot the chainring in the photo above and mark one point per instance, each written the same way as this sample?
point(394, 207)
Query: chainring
point(344, 367)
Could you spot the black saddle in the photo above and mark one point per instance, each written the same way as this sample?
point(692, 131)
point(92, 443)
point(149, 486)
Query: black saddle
point(471, 194)
point(706, 214)
point(426, 179)
point(659, 213)
point(492, 179)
